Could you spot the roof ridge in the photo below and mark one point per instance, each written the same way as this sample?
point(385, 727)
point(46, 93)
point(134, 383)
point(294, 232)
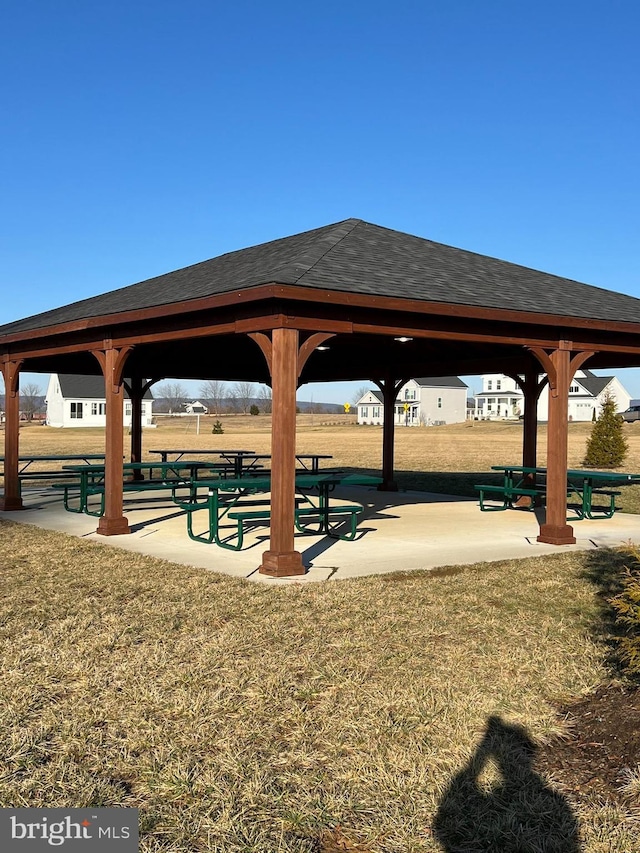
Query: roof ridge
point(305, 263)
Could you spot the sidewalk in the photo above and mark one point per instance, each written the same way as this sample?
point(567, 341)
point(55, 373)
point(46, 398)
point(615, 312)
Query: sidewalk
point(400, 531)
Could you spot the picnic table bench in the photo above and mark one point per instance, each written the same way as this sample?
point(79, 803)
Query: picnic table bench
point(234, 499)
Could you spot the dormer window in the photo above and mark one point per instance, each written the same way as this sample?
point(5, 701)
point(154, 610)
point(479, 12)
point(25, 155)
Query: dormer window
point(489, 384)
point(498, 384)
point(574, 389)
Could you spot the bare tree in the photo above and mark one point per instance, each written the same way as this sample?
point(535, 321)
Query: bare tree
point(30, 400)
point(360, 392)
point(174, 393)
point(215, 391)
point(243, 393)
point(232, 400)
point(266, 402)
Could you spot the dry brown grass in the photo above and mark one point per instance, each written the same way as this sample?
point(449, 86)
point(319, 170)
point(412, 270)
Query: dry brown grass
point(449, 459)
point(239, 717)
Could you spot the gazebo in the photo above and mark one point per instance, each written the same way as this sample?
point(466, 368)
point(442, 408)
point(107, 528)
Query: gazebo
point(348, 301)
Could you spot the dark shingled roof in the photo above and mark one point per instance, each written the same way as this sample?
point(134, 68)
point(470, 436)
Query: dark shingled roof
point(76, 387)
point(441, 382)
point(357, 257)
point(594, 384)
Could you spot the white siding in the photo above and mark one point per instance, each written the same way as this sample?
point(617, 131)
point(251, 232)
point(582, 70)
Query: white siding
point(64, 412)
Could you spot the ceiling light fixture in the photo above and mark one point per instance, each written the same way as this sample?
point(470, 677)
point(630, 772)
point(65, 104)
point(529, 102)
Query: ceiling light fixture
point(322, 349)
point(403, 339)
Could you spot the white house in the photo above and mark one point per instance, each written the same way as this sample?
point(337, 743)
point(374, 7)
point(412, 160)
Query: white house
point(428, 401)
point(79, 401)
point(196, 408)
point(502, 399)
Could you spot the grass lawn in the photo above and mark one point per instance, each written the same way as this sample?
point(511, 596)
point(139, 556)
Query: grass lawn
point(374, 714)
point(426, 711)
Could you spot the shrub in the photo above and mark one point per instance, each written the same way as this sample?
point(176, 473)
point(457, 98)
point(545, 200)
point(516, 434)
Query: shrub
point(254, 410)
point(607, 446)
point(217, 428)
point(626, 606)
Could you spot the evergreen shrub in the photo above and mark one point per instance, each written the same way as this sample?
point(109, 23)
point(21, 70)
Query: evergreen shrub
point(217, 428)
point(254, 410)
point(626, 606)
point(607, 445)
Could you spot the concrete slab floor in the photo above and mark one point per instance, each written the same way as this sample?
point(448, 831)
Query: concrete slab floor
point(399, 531)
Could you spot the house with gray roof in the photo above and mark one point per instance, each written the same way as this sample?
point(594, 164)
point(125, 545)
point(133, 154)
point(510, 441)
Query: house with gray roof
point(426, 401)
point(502, 399)
point(73, 400)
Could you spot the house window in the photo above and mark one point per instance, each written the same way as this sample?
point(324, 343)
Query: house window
point(574, 389)
point(375, 412)
point(76, 410)
point(365, 411)
point(98, 408)
point(439, 402)
point(127, 409)
point(498, 384)
point(489, 385)
point(409, 394)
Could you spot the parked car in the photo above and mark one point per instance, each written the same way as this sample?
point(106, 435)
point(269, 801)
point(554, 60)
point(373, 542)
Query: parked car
point(632, 414)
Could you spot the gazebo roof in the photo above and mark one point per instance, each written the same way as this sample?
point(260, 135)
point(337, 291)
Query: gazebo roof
point(393, 304)
point(357, 257)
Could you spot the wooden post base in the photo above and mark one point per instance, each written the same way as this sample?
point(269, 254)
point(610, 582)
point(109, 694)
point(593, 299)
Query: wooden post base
point(8, 504)
point(388, 486)
point(556, 535)
point(278, 565)
point(113, 526)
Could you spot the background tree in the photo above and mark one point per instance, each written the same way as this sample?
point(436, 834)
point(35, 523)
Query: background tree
point(214, 390)
point(360, 392)
point(265, 397)
point(30, 400)
point(243, 392)
point(175, 395)
point(607, 445)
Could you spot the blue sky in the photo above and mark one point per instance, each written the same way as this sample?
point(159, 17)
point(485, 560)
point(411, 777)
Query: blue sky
point(140, 137)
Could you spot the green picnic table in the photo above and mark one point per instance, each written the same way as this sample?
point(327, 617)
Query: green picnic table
point(236, 500)
point(583, 483)
point(90, 481)
point(28, 474)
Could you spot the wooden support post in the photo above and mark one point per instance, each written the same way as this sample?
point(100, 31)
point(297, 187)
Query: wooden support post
point(531, 388)
point(136, 394)
point(286, 361)
point(282, 560)
point(113, 522)
point(560, 368)
point(389, 388)
point(11, 499)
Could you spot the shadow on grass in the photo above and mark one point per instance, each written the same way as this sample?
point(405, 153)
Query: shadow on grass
point(497, 803)
point(605, 569)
